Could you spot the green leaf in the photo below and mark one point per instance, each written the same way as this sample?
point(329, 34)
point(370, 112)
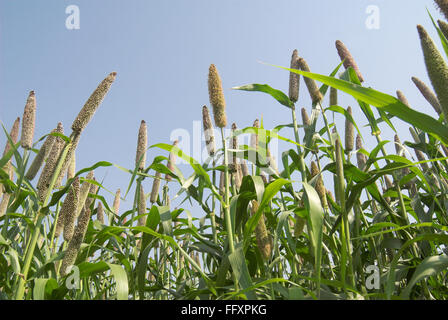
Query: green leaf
point(430, 266)
point(315, 221)
point(276, 94)
point(241, 272)
point(384, 102)
point(121, 281)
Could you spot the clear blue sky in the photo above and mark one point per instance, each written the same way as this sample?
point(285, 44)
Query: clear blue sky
point(162, 51)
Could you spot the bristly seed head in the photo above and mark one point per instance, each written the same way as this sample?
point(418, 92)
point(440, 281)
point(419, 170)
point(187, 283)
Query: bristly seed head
point(360, 157)
point(436, 67)
point(141, 207)
point(349, 132)
point(216, 96)
point(333, 97)
point(209, 132)
point(142, 143)
point(402, 98)
point(155, 187)
point(320, 188)
point(305, 118)
point(29, 121)
point(92, 104)
point(69, 209)
point(443, 7)
point(116, 205)
point(294, 78)
point(348, 59)
point(171, 161)
point(42, 155)
point(313, 89)
point(100, 212)
point(429, 95)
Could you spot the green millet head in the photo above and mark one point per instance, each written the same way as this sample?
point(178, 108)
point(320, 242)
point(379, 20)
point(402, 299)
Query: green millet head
point(443, 7)
point(428, 94)
point(348, 59)
point(320, 188)
point(216, 96)
point(244, 168)
point(264, 241)
point(29, 121)
point(14, 134)
point(361, 158)
point(142, 143)
point(333, 96)
point(75, 243)
point(41, 156)
point(402, 98)
point(69, 209)
point(233, 144)
point(349, 132)
point(71, 151)
point(49, 168)
point(141, 207)
point(92, 104)
point(116, 205)
point(100, 212)
point(254, 136)
point(171, 161)
point(436, 68)
point(421, 157)
point(71, 171)
point(209, 132)
point(305, 118)
point(443, 27)
point(398, 146)
point(294, 78)
point(84, 192)
point(155, 187)
point(313, 89)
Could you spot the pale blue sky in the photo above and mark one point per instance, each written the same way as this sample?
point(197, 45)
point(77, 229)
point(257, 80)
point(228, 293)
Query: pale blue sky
point(162, 51)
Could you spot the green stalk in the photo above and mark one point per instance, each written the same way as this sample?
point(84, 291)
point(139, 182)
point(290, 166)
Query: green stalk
point(40, 216)
point(299, 149)
point(212, 214)
point(227, 199)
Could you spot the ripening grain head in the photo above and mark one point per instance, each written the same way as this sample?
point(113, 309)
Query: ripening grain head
point(443, 7)
point(100, 212)
point(348, 59)
point(320, 188)
point(116, 205)
point(436, 67)
point(141, 208)
point(402, 98)
point(294, 78)
point(209, 132)
point(41, 156)
point(428, 94)
point(349, 132)
point(92, 104)
point(69, 209)
point(305, 118)
point(313, 89)
point(171, 161)
point(14, 134)
point(155, 187)
point(333, 96)
point(142, 144)
point(216, 96)
point(29, 121)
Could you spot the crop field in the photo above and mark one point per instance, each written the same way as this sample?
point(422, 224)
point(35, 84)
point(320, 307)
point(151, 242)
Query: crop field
point(331, 218)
